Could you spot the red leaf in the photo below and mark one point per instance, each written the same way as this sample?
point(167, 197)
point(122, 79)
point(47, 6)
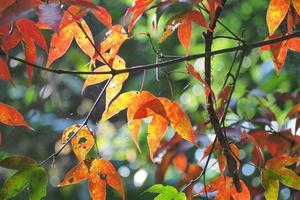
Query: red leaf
point(198, 18)
point(10, 116)
point(30, 55)
point(185, 33)
point(192, 71)
point(4, 72)
point(137, 9)
point(97, 187)
point(30, 31)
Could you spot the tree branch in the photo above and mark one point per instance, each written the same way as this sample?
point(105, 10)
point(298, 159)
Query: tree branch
point(164, 63)
point(231, 162)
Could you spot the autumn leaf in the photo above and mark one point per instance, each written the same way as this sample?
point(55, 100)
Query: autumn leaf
point(98, 172)
point(11, 117)
point(120, 103)
point(82, 142)
point(193, 72)
point(276, 13)
point(69, 29)
point(184, 24)
point(144, 104)
point(280, 49)
point(257, 155)
point(115, 86)
point(115, 38)
point(226, 189)
point(4, 72)
point(137, 9)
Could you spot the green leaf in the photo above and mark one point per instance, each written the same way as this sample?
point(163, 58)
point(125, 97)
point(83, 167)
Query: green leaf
point(30, 175)
point(38, 184)
point(17, 162)
point(287, 177)
point(271, 184)
point(15, 184)
point(246, 107)
point(166, 192)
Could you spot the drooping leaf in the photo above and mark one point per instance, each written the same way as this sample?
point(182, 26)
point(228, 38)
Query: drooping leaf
point(4, 72)
point(29, 175)
point(276, 13)
point(121, 102)
point(137, 9)
point(270, 183)
point(97, 187)
point(75, 175)
point(226, 189)
point(296, 5)
point(11, 117)
point(115, 38)
point(258, 155)
point(38, 184)
point(281, 161)
point(82, 142)
point(179, 120)
point(156, 130)
point(109, 173)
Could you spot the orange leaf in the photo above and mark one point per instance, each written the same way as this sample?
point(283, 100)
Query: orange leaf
point(115, 38)
point(276, 13)
point(60, 42)
point(97, 187)
point(244, 195)
point(11, 117)
point(121, 102)
point(75, 175)
point(180, 122)
point(172, 24)
point(137, 9)
point(134, 127)
point(296, 5)
point(82, 40)
point(221, 161)
point(4, 72)
point(185, 33)
point(97, 78)
point(219, 183)
point(181, 162)
point(108, 172)
point(82, 142)
point(5, 3)
point(156, 130)
point(282, 161)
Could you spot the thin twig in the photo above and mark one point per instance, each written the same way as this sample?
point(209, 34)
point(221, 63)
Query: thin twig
point(85, 121)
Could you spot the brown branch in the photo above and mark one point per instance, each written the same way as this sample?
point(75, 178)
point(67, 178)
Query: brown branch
point(164, 63)
point(231, 162)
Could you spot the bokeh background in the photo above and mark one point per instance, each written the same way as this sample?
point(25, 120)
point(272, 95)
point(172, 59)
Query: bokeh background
point(54, 102)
